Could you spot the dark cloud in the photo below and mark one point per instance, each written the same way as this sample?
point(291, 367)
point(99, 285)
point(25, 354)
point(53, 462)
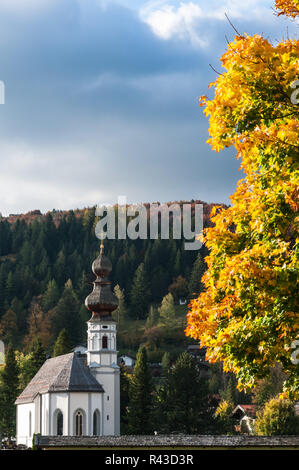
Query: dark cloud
point(97, 105)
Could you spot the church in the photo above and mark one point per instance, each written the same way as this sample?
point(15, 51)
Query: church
point(78, 394)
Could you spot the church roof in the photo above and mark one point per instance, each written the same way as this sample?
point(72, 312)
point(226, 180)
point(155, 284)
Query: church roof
point(67, 373)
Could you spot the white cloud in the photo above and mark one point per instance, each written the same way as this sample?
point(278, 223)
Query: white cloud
point(167, 21)
point(35, 177)
point(187, 20)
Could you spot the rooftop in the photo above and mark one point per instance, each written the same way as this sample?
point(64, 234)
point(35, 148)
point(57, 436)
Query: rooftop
point(67, 373)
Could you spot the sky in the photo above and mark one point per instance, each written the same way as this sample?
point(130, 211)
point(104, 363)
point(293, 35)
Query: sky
point(101, 99)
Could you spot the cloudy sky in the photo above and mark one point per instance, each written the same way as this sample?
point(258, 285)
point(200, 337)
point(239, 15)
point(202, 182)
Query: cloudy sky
point(101, 99)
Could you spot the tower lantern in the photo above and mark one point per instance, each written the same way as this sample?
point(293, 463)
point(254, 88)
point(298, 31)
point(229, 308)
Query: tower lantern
point(101, 302)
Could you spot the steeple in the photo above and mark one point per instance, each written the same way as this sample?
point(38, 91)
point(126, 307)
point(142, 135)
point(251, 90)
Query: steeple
point(101, 302)
point(101, 342)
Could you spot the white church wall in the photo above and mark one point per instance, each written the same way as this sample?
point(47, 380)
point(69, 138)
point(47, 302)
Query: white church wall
point(25, 423)
point(79, 401)
point(45, 421)
point(109, 379)
point(96, 405)
point(58, 401)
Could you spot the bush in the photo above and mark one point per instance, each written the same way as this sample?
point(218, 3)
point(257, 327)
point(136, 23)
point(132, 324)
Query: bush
point(277, 418)
point(223, 417)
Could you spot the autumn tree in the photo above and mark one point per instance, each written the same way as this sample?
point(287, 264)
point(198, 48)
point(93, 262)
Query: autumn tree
point(269, 387)
point(248, 315)
point(120, 314)
point(287, 7)
point(39, 324)
point(277, 418)
point(223, 417)
point(167, 310)
point(179, 288)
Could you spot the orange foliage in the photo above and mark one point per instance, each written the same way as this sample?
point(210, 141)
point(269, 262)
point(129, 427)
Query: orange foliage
point(248, 315)
point(287, 7)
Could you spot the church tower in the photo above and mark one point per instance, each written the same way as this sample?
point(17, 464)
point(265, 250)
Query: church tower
point(101, 343)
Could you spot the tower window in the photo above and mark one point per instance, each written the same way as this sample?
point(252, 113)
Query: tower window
point(104, 342)
point(107, 397)
point(107, 417)
point(105, 326)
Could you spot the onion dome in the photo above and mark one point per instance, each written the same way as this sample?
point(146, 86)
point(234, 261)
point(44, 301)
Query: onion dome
point(101, 302)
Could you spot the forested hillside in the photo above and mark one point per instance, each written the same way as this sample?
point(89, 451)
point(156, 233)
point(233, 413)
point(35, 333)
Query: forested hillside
point(45, 275)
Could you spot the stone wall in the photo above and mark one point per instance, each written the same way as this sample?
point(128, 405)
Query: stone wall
point(167, 441)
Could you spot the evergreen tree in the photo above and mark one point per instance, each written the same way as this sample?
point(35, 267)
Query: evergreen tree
point(9, 328)
point(140, 396)
point(177, 270)
point(38, 257)
point(8, 394)
point(198, 270)
point(84, 287)
point(50, 236)
point(84, 316)
point(124, 398)
point(140, 293)
point(38, 355)
point(63, 344)
point(160, 280)
point(165, 363)
point(10, 287)
point(66, 314)
point(51, 296)
point(18, 307)
point(60, 268)
point(152, 318)
point(185, 398)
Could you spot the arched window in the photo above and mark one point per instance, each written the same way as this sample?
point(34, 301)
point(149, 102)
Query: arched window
point(104, 342)
point(96, 423)
point(79, 423)
point(59, 423)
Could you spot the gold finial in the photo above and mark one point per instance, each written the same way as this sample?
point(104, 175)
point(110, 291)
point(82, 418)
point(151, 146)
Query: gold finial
point(102, 243)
